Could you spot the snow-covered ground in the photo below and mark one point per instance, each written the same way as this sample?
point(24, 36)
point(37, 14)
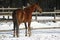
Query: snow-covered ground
point(37, 34)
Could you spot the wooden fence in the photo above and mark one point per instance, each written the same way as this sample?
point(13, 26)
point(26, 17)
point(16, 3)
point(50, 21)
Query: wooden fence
point(7, 11)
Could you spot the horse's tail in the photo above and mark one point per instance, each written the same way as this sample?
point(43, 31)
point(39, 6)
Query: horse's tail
point(14, 18)
point(14, 15)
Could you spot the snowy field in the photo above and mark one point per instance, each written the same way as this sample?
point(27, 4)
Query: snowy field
point(37, 34)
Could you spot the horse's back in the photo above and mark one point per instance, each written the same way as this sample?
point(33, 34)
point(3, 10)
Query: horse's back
point(17, 14)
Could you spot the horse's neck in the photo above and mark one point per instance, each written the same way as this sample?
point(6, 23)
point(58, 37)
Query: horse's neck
point(32, 8)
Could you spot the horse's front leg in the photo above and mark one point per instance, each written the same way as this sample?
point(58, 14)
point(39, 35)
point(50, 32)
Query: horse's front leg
point(29, 29)
point(26, 29)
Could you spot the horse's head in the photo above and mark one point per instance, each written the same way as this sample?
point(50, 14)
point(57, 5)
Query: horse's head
point(37, 7)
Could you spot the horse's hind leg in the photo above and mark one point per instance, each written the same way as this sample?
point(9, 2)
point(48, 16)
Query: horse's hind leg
point(17, 29)
point(29, 29)
point(14, 29)
point(26, 29)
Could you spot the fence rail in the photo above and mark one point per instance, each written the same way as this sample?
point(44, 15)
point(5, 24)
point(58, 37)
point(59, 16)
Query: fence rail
point(6, 13)
point(8, 8)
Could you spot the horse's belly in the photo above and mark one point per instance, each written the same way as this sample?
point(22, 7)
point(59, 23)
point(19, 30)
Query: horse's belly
point(25, 20)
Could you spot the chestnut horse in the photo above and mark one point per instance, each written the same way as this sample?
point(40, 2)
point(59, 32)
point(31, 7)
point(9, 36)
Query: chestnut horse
point(19, 16)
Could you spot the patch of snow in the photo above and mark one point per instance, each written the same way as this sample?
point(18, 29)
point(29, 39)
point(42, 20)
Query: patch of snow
point(39, 34)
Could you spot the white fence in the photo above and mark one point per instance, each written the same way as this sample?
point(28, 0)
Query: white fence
point(8, 12)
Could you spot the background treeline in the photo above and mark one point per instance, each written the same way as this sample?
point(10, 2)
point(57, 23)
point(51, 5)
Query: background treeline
point(47, 5)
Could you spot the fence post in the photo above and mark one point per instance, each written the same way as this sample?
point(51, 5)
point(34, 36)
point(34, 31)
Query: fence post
point(54, 15)
point(8, 11)
point(3, 11)
point(36, 16)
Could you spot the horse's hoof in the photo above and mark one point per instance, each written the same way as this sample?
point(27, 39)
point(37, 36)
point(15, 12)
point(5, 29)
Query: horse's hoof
point(17, 36)
point(13, 35)
point(29, 35)
point(25, 35)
